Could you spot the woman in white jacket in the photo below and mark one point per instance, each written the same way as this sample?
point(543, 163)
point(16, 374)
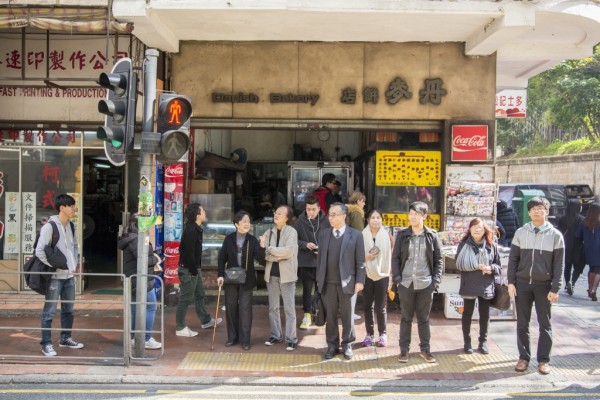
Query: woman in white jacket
point(281, 273)
point(378, 255)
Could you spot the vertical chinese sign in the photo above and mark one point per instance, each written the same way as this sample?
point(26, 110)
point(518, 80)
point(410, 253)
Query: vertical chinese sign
point(29, 222)
point(173, 221)
point(12, 207)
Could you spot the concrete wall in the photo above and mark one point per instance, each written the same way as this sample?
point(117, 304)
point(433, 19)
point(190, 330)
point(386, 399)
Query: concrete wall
point(262, 68)
point(569, 169)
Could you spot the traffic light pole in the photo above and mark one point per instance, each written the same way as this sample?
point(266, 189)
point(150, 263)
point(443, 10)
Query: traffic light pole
point(150, 67)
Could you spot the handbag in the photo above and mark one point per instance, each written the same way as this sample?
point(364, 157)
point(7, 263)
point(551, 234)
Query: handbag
point(237, 275)
point(317, 310)
point(501, 299)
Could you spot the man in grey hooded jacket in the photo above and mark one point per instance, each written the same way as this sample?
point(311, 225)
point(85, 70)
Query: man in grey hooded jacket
point(535, 269)
point(62, 283)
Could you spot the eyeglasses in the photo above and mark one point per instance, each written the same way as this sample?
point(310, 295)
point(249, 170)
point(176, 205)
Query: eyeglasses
point(538, 209)
point(334, 215)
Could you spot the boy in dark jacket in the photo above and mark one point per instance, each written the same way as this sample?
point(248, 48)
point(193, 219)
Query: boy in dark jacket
point(535, 268)
point(308, 225)
point(417, 271)
point(324, 193)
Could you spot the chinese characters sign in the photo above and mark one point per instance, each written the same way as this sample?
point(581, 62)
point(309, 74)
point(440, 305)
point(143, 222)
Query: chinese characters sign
point(469, 142)
point(392, 219)
point(29, 222)
point(408, 168)
point(511, 104)
point(12, 235)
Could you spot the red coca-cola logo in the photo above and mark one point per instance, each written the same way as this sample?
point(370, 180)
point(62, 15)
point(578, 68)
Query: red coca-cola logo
point(471, 143)
point(170, 274)
point(174, 170)
point(171, 251)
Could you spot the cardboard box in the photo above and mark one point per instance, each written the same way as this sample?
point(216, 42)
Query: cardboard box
point(204, 186)
point(454, 306)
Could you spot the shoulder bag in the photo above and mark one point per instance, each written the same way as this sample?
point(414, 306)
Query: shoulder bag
point(501, 300)
point(237, 275)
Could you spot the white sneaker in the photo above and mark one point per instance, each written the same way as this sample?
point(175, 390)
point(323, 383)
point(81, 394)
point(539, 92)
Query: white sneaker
point(186, 332)
point(211, 323)
point(48, 350)
point(152, 344)
point(357, 317)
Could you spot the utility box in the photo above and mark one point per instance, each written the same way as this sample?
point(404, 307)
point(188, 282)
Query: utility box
point(519, 203)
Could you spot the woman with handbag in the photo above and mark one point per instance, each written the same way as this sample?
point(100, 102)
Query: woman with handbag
point(479, 262)
point(378, 256)
point(236, 271)
point(281, 273)
point(129, 244)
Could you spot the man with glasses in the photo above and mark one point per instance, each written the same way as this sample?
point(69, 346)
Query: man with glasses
point(340, 274)
point(417, 271)
point(535, 269)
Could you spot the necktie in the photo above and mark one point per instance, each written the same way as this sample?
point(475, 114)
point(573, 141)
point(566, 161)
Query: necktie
point(337, 233)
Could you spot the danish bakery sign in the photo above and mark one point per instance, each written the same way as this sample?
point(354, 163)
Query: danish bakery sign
point(469, 143)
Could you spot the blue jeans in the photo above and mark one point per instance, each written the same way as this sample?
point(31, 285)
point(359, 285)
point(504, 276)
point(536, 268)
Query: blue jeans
point(65, 290)
point(150, 313)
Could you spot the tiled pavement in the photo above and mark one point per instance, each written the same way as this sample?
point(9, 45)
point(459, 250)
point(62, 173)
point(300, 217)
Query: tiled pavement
point(576, 351)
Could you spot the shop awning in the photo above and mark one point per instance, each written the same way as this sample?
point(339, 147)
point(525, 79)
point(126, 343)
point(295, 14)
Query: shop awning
point(62, 19)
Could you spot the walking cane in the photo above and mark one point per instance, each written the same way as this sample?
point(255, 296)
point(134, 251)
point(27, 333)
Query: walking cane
point(212, 347)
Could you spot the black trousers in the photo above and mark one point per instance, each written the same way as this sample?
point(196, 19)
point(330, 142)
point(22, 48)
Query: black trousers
point(336, 301)
point(484, 318)
point(415, 302)
point(527, 296)
point(238, 313)
point(308, 277)
point(375, 298)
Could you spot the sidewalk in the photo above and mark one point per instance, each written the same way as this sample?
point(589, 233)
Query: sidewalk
point(575, 355)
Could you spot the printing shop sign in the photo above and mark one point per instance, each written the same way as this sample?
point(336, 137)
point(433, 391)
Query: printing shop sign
point(470, 142)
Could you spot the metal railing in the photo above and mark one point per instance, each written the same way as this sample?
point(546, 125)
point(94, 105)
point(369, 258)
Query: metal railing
point(125, 303)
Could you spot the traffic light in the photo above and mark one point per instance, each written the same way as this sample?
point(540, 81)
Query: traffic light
point(119, 108)
point(173, 122)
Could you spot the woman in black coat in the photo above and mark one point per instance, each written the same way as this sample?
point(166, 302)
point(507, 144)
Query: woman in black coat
point(478, 260)
point(129, 244)
point(239, 249)
point(574, 259)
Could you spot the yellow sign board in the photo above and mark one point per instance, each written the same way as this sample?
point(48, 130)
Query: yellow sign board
point(432, 220)
point(408, 168)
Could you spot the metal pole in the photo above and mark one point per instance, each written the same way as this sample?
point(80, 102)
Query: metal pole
point(150, 66)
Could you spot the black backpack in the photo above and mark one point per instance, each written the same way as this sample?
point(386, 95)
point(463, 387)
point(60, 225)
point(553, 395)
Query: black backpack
point(39, 282)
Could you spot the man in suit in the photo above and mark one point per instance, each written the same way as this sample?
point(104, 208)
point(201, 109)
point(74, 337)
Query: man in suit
point(340, 274)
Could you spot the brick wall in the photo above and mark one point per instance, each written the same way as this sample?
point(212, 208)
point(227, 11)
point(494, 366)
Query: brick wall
point(568, 169)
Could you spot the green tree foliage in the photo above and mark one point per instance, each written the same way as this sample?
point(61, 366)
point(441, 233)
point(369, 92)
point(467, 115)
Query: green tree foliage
point(563, 104)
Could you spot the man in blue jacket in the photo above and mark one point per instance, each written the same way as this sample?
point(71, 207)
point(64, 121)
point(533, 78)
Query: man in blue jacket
point(535, 269)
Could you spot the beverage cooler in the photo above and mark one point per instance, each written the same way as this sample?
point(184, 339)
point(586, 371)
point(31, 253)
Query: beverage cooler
point(305, 176)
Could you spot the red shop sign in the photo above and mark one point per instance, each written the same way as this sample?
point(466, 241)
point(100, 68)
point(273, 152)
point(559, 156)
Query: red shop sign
point(469, 143)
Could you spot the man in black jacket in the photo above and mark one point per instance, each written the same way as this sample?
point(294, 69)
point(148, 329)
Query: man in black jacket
point(417, 271)
point(191, 288)
point(308, 225)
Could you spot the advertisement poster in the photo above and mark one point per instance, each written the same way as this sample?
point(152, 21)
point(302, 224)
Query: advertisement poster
point(511, 103)
point(173, 219)
point(159, 209)
point(469, 143)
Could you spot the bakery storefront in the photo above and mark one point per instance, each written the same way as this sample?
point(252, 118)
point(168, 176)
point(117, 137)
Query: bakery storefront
point(295, 109)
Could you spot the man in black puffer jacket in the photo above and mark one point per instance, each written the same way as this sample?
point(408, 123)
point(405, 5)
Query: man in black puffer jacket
point(507, 217)
point(308, 225)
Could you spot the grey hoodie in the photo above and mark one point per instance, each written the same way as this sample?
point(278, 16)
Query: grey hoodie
point(67, 244)
point(537, 258)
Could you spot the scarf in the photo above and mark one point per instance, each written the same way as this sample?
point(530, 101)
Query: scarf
point(380, 267)
point(471, 255)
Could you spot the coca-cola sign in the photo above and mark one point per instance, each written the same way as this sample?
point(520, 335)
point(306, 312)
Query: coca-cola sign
point(469, 143)
point(171, 250)
point(174, 170)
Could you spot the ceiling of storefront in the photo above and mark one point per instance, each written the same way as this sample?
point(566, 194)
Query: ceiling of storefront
point(527, 36)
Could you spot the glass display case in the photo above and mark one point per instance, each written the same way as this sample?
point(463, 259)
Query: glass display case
point(305, 177)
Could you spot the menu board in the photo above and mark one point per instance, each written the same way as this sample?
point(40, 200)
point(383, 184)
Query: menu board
point(408, 168)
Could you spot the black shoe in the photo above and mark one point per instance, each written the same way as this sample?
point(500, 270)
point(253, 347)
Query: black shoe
point(331, 353)
point(483, 348)
point(569, 288)
point(246, 346)
point(468, 348)
point(271, 341)
point(232, 343)
point(291, 346)
point(348, 353)
point(403, 358)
